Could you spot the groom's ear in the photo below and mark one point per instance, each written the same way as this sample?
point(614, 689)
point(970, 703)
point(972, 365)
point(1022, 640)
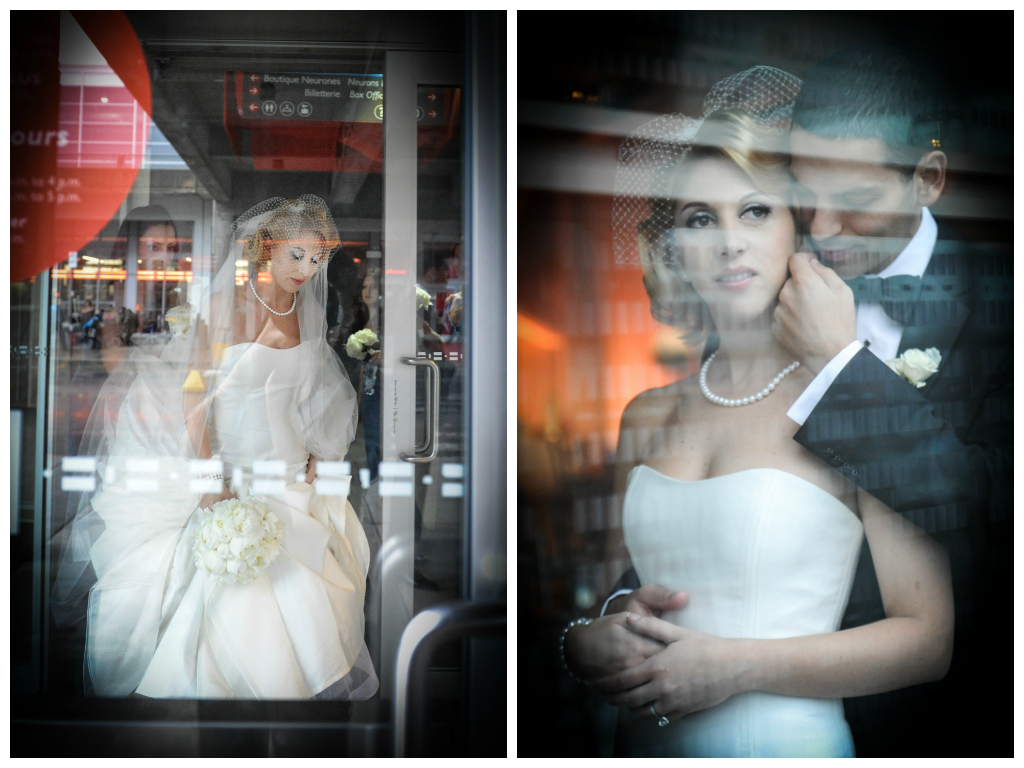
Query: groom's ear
point(930, 178)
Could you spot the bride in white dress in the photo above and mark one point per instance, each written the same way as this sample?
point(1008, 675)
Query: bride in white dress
point(246, 401)
point(720, 501)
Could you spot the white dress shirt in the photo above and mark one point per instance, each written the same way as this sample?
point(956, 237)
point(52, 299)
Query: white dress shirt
point(873, 325)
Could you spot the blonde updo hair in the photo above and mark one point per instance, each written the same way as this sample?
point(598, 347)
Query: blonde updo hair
point(763, 156)
point(285, 223)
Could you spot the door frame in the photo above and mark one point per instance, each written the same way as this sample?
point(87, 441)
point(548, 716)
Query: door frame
point(404, 71)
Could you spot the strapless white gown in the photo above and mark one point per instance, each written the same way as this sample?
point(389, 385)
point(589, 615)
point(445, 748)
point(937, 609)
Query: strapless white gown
point(160, 628)
point(762, 554)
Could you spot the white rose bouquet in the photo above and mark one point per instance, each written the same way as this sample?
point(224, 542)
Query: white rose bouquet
point(915, 366)
point(359, 343)
point(236, 540)
point(423, 299)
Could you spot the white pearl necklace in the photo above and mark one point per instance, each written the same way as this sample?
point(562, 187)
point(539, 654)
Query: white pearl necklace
point(703, 379)
point(267, 306)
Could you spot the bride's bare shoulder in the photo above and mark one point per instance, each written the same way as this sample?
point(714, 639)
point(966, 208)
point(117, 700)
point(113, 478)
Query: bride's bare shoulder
point(653, 407)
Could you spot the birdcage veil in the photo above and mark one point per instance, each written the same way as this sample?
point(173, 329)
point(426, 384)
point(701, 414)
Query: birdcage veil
point(641, 215)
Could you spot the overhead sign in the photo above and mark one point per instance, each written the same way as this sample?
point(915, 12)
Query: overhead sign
point(308, 97)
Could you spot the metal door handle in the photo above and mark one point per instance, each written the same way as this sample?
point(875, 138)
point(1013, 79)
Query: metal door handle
point(427, 630)
point(433, 415)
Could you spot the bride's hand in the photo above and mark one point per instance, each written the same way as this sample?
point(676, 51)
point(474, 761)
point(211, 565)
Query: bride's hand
point(695, 671)
point(605, 647)
point(209, 499)
point(311, 469)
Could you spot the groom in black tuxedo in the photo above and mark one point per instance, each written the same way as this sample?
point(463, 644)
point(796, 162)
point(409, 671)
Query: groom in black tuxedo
point(867, 148)
point(935, 443)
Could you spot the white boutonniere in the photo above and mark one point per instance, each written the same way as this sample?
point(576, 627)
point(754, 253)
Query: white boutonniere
point(915, 366)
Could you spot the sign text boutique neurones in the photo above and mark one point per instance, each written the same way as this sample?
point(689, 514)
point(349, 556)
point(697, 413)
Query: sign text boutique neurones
point(298, 96)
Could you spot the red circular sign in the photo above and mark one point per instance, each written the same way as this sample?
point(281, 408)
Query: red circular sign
point(59, 203)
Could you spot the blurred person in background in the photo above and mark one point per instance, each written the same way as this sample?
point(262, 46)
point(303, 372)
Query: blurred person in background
point(366, 318)
point(90, 322)
point(156, 238)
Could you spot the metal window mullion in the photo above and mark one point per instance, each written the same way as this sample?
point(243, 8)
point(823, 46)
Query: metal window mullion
point(131, 283)
point(486, 361)
point(398, 396)
point(51, 395)
point(38, 517)
point(484, 510)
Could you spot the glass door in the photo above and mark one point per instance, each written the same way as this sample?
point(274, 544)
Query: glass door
point(378, 131)
point(422, 469)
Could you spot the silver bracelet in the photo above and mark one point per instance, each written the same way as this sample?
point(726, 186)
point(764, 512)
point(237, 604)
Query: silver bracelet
point(216, 476)
point(561, 646)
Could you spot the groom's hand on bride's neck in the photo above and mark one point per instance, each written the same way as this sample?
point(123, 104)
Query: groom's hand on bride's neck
point(649, 600)
point(815, 318)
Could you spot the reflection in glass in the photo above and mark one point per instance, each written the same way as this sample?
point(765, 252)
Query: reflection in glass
point(214, 562)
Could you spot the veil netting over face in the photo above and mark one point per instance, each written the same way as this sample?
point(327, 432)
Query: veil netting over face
point(146, 430)
point(643, 205)
point(641, 211)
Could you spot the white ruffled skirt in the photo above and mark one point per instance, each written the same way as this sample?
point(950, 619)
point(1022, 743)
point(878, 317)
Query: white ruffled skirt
point(160, 628)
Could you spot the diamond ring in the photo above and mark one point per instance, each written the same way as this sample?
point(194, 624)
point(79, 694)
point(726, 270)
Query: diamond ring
point(662, 720)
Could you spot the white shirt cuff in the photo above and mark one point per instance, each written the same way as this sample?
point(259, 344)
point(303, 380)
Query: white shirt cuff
point(816, 390)
point(612, 597)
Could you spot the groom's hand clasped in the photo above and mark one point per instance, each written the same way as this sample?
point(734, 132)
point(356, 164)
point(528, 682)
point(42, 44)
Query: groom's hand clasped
point(648, 600)
point(609, 645)
point(605, 647)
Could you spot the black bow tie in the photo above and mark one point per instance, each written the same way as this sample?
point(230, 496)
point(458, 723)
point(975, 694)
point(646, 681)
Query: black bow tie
point(879, 290)
point(899, 294)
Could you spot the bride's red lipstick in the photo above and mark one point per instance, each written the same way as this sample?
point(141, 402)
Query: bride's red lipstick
point(736, 279)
